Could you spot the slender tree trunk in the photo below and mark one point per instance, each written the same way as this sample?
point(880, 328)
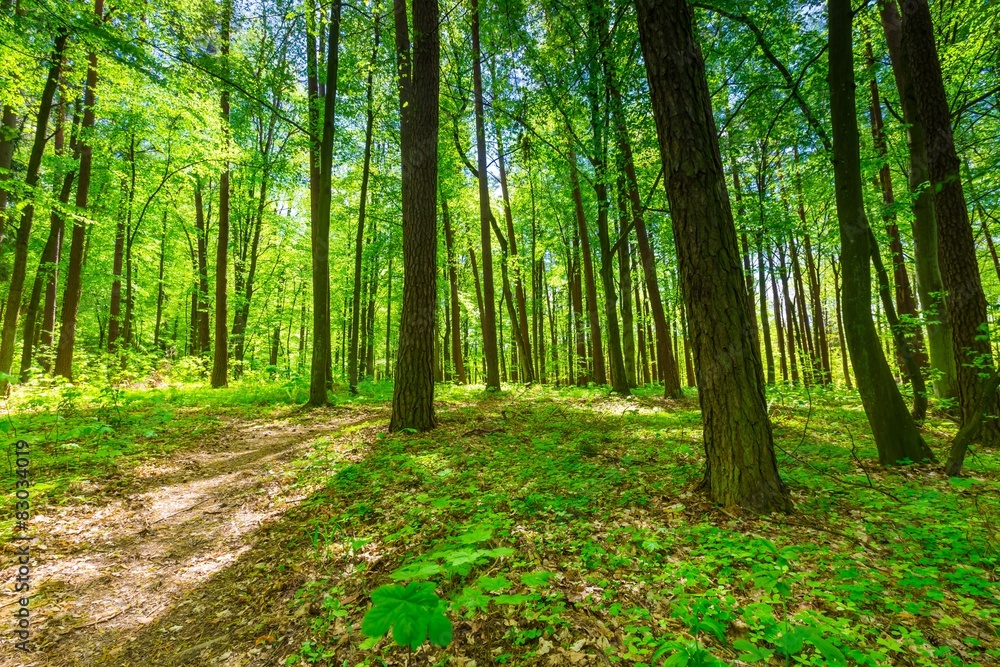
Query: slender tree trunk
point(625, 286)
point(9, 131)
point(906, 304)
point(17, 279)
point(159, 282)
point(590, 285)
point(670, 368)
point(455, 322)
point(352, 364)
point(778, 324)
point(321, 375)
point(524, 341)
point(74, 282)
point(835, 265)
point(46, 277)
point(790, 346)
point(488, 316)
point(220, 361)
point(765, 323)
point(419, 76)
point(894, 430)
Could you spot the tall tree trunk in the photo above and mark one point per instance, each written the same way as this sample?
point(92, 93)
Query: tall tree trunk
point(321, 376)
point(625, 286)
point(17, 278)
point(966, 301)
point(488, 311)
point(835, 265)
point(74, 282)
point(819, 324)
point(778, 323)
point(741, 465)
point(46, 277)
point(670, 368)
point(419, 77)
point(930, 284)
point(159, 282)
point(590, 285)
point(352, 364)
point(201, 226)
point(455, 322)
point(9, 131)
point(523, 340)
point(896, 434)
point(906, 304)
point(764, 321)
point(220, 360)
point(790, 324)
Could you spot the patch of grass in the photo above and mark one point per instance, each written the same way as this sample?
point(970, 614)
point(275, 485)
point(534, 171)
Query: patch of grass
point(562, 524)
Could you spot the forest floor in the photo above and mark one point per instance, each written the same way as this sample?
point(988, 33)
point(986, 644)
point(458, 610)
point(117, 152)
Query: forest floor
point(182, 526)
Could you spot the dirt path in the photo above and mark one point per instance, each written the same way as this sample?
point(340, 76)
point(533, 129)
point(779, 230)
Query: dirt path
point(105, 572)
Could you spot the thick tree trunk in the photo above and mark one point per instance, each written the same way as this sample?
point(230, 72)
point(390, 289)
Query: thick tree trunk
point(741, 465)
point(419, 77)
point(896, 434)
point(966, 301)
point(930, 285)
point(16, 289)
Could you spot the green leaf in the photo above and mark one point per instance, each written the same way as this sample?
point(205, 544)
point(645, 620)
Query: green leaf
point(833, 655)
point(751, 652)
point(412, 613)
point(417, 571)
point(516, 599)
point(477, 534)
point(492, 585)
point(536, 578)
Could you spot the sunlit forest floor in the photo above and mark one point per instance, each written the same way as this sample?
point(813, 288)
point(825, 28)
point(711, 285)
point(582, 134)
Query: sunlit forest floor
point(185, 526)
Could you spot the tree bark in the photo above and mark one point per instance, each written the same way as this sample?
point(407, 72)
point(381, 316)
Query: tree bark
point(590, 285)
point(930, 284)
point(74, 282)
point(220, 360)
point(352, 364)
point(320, 375)
point(965, 299)
point(488, 311)
point(419, 78)
point(455, 321)
point(895, 432)
point(741, 465)
point(13, 306)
